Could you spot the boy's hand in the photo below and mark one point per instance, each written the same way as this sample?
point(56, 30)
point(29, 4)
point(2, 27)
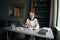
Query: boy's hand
point(29, 27)
point(34, 28)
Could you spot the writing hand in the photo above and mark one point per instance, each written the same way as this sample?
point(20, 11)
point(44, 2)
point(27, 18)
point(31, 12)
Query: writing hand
point(29, 27)
point(34, 28)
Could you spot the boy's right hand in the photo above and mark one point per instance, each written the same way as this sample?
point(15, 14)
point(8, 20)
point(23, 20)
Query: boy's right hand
point(29, 27)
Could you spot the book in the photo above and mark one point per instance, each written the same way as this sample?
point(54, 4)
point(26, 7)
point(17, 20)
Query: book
point(42, 32)
point(16, 12)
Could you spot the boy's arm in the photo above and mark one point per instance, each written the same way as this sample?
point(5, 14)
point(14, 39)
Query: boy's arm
point(36, 25)
point(27, 24)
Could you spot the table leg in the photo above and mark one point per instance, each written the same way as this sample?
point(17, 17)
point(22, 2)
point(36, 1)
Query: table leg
point(7, 36)
point(48, 39)
point(34, 38)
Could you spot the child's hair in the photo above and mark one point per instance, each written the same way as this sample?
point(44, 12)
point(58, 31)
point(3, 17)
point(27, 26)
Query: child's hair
point(32, 10)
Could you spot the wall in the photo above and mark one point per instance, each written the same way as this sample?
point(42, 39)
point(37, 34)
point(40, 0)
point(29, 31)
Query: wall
point(51, 13)
point(3, 9)
point(58, 23)
point(59, 14)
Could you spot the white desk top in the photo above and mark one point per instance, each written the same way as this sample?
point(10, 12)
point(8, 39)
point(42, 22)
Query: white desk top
point(22, 30)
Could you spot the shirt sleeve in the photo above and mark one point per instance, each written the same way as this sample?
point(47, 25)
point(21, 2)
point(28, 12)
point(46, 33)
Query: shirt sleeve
point(27, 22)
point(37, 24)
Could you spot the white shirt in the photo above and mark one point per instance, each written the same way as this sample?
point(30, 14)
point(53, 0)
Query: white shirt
point(32, 23)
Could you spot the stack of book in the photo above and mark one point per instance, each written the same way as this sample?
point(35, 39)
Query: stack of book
point(16, 12)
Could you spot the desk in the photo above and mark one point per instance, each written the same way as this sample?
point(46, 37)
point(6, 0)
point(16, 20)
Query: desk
point(27, 31)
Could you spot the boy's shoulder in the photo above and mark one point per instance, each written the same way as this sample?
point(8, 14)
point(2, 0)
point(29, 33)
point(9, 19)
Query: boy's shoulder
point(35, 18)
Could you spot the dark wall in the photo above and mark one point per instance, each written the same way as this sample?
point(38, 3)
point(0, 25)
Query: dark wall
point(3, 10)
point(3, 16)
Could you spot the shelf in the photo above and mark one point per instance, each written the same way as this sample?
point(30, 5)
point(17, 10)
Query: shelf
point(42, 23)
point(17, 1)
point(40, 6)
point(41, 11)
point(38, 1)
point(42, 0)
point(41, 17)
point(45, 21)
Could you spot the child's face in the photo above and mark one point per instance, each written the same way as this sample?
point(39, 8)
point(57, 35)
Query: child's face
point(31, 15)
